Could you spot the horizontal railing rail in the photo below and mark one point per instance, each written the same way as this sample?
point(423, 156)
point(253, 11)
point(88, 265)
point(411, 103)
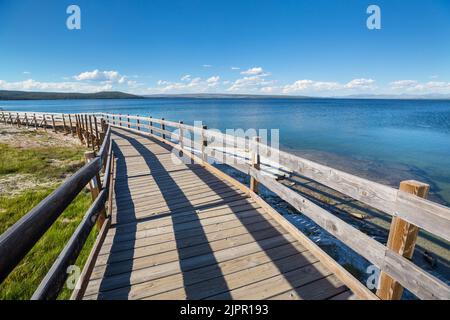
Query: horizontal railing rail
point(418, 212)
point(20, 238)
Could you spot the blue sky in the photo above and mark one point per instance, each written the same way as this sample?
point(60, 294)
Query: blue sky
point(318, 48)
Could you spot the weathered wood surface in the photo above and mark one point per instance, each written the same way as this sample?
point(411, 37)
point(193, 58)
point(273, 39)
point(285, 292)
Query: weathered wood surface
point(178, 231)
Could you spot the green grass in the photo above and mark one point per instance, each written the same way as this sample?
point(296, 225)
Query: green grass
point(25, 278)
point(43, 162)
point(50, 163)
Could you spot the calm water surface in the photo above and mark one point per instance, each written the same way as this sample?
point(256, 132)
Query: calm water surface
point(384, 140)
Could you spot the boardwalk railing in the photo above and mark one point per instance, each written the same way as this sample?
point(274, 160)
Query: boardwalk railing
point(18, 240)
point(407, 206)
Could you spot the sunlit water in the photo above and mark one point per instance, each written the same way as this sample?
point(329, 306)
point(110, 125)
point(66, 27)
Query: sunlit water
point(384, 140)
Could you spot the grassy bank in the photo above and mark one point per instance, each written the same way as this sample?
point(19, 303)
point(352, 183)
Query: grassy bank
point(32, 165)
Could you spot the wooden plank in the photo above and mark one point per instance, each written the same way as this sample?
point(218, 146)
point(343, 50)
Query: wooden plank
point(187, 247)
point(228, 207)
point(240, 279)
point(184, 239)
point(228, 259)
point(179, 204)
point(138, 288)
point(146, 214)
point(143, 261)
point(179, 198)
point(201, 260)
point(278, 284)
point(317, 290)
point(189, 230)
point(183, 185)
point(346, 295)
point(149, 230)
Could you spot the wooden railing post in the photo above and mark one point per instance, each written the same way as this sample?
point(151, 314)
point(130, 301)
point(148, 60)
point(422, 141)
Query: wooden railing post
point(81, 128)
point(95, 187)
point(97, 137)
point(91, 130)
point(150, 125)
point(94, 184)
point(138, 123)
point(163, 127)
point(120, 120)
point(128, 121)
point(86, 131)
point(53, 123)
point(64, 124)
point(45, 122)
point(255, 162)
point(70, 124)
point(402, 239)
point(204, 144)
point(180, 137)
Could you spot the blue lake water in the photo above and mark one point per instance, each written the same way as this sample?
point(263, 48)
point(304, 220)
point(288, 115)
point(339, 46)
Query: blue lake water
point(384, 140)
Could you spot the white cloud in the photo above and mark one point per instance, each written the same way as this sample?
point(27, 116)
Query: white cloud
point(30, 85)
point(186, 77)
point(403, 84)
point(304, 85)
point(253, 71)
point(235, 68)
point(269, 89)
point(97, 75)
point(213, 81)
point(26, 72)
point(361, 84)
point(314, 86)
point(189, 84)
point(206, 66)
point(422, 87)
point(254, 80)
point(252, 83)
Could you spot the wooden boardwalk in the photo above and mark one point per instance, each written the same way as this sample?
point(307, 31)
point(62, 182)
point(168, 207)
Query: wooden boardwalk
point(179, 231)
point(189, 231)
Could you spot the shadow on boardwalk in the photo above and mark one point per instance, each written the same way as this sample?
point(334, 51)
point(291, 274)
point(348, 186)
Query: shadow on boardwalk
point(306, 277)
point(175, 200)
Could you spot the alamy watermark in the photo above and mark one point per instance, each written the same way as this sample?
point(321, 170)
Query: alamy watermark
point(374, 20)
point(73, 22)
point(373, 280)
point(235, 147)
point(73, 279)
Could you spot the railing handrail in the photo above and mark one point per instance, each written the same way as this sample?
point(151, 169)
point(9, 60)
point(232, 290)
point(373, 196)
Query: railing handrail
point(51, 285)
point(20, 238)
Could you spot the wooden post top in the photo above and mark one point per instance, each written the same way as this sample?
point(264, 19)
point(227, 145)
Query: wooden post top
point(89, 155)
point(414, 187)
